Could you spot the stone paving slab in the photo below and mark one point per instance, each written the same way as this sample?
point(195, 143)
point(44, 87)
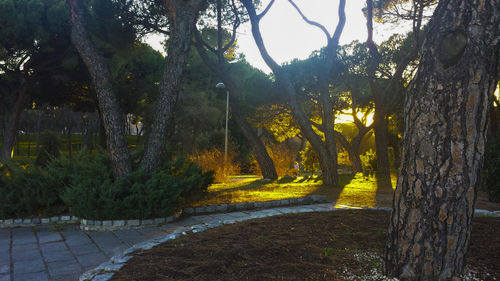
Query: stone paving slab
point(31, 266)
point(91, 260)
point(63, 268)
point(84, 249)
point(76, 238)
point(129, 236)
point(25, 254)
point(4, 269)
point(38, 276)
point(23, 236)
point(47, 237)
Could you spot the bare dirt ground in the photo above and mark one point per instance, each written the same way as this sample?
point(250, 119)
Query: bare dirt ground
point(339, 245)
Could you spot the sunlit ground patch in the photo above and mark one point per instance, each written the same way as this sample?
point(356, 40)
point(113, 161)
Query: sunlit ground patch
point(362, 191)
point(252, 190)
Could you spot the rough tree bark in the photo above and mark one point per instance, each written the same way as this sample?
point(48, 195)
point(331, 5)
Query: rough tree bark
point(182, 15)
point(12, 125)
point(326, 150)
point(446, 111)
point(109, 106)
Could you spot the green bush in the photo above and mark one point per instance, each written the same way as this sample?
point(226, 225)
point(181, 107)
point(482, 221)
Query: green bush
point(28, 191)
point(85, 185)
point(137, 196)
point(490, 178)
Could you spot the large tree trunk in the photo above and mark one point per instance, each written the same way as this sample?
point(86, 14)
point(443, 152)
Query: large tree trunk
point(109, 105)
point(446, 113)
point(182, 17)
point(12, 125)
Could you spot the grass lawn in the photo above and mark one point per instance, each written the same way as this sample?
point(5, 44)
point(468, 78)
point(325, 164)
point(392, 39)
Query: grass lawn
point(353, 190)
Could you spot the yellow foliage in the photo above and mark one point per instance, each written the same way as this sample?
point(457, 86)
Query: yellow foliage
point(213, 160)
point(283, 158)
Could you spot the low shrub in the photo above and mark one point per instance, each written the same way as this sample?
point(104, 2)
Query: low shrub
point(84, 185)
point(28, 190)
point(490, 178)
point(139, 195)
point(213, 160)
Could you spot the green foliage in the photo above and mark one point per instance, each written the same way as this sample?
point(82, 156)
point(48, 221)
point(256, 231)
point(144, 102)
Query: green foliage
point(85, 185)
point(50, 145)
point(93, 195)
point(490, 178)
point(28, 190)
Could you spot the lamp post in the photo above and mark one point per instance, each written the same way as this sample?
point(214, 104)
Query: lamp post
point(222, 86)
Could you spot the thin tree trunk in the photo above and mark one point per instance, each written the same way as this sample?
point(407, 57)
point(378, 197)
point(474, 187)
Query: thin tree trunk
point(12, 125)
point(182, 17)
point(109, 105)
point(38, 130)
point(446, 115)
point(70, 143)
point(381, 144)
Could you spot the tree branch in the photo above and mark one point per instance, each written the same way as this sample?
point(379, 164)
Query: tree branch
point(261, 15)
point(236, 24)
point(313, 23)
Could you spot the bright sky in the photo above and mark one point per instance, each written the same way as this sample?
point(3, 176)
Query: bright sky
point(287, 36)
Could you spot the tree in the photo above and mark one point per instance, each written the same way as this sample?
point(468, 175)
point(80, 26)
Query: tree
point(446, 116)
point(33, 46)
point(182, 17)
point(381, 93)
point(326, 149)
point(109, 106)
point(222, 69)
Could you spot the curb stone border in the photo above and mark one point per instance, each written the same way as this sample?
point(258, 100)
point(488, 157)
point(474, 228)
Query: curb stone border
point(38, 221)
point(111, 225)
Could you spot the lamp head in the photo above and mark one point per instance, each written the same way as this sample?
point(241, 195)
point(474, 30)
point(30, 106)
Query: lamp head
point(220, 85)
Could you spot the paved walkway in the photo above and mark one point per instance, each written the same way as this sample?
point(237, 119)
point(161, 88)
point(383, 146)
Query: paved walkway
point(64, 252)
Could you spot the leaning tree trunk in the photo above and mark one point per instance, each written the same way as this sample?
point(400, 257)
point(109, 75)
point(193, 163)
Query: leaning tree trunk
point(12, 125)
point(182, 16)
point(257, 148)
point(446, 113)
point(108, 103)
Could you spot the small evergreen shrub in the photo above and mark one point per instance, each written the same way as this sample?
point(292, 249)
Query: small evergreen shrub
point(84, 185)
point(50, 144)
point(490, 178)
point(28, 191)
point(136, 196)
